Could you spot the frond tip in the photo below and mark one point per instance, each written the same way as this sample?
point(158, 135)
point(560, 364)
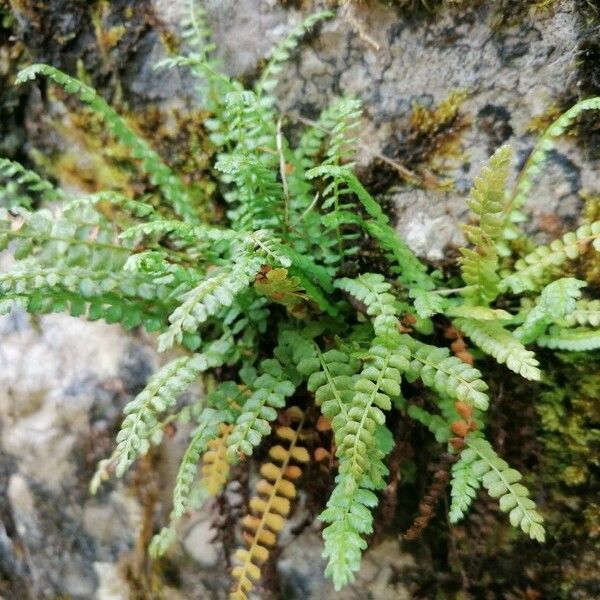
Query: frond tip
point(502, 482)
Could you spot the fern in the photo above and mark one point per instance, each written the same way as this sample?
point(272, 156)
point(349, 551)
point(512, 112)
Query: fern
point(271, 505)
point(358, 448)
point(160, 174)
point(557, 301)
point(531, 271)
point(445, 374)
point(281, 53)
point(533, 165)
point(28, 185)
point(464, 485)
point(480, 264)
point(498, 342)
point(502, 482)
point(579, 339)
point(269, 391)
point(140, 426)
point(287, 257)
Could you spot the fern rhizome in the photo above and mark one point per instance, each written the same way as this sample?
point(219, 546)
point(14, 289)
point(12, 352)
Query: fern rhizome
point(256, 301)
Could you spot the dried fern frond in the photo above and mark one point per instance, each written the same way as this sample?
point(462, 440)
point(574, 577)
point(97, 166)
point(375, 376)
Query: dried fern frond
point(215, 466)
point(271, 505)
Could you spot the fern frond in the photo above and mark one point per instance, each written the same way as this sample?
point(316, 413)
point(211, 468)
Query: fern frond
point(372, 290)
point(259, 196)
point(335, 168)
point(269, 391)
point(136, 208)
point(586, 312)
point(208, 430)
point(557, 301)
point(195, 31)
point(159, 173)
point(215, 466)
point(532, 167)
point(502, 482)
point(139, 428)
point(530, 272)
point(500, 343)
point(29, 185)
point(84, 239)
point(208, 298)
point(281, 53)
point(361, 461)
point(488, 199)
point(271, 506)
point(579, 339)
point(464, 485)
point(445, 374)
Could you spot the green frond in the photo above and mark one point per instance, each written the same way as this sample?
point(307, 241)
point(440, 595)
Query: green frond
point(269, 391)
point(26, 186)
point(586, 312)
point(500, 343)
point(258, 201)
point(207, 430)
point(160, 174)
point(195, 30)
point(464, 485)
point(350, 519)
point(372, 290)
point(140, 428)
point(533, 166)
point(136, 208)
point(445, 374)
point(282, 52)
point(580, 339)
point(530, 272)
point(502, 482)
point(488, 200)
point(208, 298)
point(557, 301)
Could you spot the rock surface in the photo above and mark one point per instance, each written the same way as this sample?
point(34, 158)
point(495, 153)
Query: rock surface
point(63, 382)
